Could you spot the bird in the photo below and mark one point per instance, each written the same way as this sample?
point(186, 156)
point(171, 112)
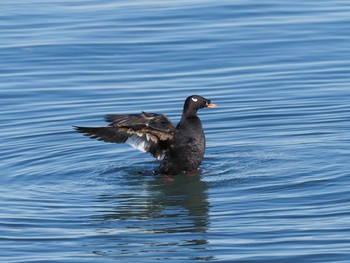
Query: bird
point(180, 149)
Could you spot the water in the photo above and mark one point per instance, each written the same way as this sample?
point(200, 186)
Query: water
point(274, 184)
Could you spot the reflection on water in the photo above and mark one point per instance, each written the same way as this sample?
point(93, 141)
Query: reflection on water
point(169, 209)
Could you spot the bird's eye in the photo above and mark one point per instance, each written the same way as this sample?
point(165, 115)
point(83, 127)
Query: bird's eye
point(194, 99)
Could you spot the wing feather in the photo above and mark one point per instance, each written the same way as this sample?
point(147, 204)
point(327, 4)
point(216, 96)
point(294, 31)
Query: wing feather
point(147, 132)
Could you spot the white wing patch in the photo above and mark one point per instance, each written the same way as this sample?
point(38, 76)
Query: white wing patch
point(143, 143)
point(194, 99)
point(139, 143)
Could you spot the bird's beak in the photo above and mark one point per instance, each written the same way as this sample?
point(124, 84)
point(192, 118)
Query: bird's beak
point(211, 105)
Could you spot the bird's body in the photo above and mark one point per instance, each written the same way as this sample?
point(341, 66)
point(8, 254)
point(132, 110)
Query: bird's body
point(188, 150)
point(183, 146)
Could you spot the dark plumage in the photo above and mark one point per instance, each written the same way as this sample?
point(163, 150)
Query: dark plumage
point(183, 146)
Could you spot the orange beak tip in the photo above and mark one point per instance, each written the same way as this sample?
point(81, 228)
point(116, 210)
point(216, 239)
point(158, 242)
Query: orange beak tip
point(211, 105)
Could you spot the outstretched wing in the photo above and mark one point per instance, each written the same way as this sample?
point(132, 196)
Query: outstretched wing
point(147, 132)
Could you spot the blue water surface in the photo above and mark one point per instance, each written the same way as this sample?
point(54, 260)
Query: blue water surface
point(274, 183)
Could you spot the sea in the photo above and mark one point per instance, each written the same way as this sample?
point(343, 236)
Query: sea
point(274, 184)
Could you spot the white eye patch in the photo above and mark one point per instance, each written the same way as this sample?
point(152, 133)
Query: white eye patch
point(194, 99)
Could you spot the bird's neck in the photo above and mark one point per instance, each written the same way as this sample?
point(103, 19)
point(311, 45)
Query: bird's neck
point(189, 113)
point(189, 121)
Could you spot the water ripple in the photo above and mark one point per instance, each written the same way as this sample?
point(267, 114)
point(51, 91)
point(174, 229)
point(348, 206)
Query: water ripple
point(273, 183)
